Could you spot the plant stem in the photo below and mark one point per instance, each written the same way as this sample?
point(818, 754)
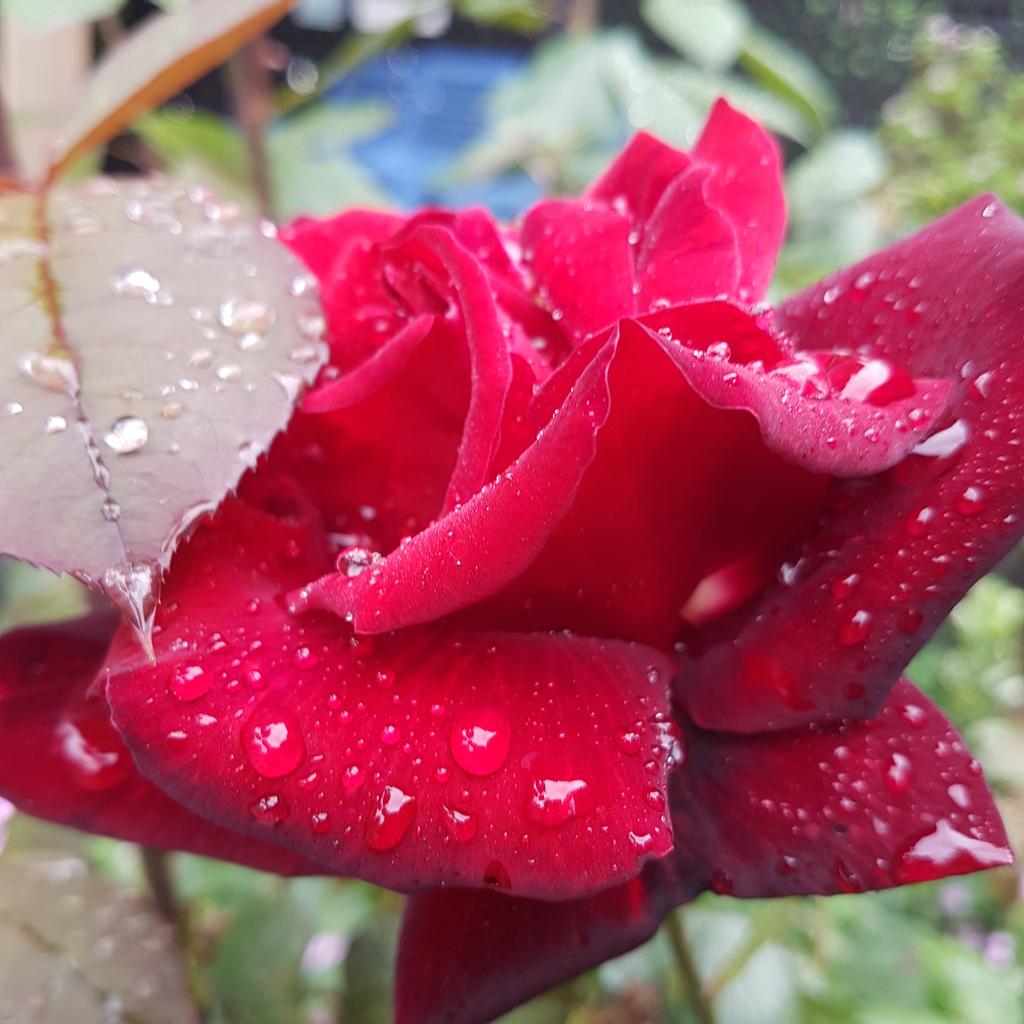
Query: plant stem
point(695, 994)
point(249, 84)
point(156, 865)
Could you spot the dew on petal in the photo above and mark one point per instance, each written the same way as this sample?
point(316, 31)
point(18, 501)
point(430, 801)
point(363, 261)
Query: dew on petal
point(480, 740)
point(273, 742)
point(554, 802)
point(389, 821)
point(189, 682)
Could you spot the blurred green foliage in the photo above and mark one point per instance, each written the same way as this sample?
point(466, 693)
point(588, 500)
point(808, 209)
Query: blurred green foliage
point(957, 128)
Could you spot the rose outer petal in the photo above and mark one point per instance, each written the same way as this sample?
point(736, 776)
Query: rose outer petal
point(63, 760)
point(902, 549)
point(864, 806)
point(438, 757)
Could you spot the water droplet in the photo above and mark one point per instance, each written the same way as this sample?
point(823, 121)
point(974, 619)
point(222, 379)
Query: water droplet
point(496, 876)
point(246, 316)
point(352, 778)
point(172, 410)
point(271, 809)
point(228, 371)
point(13, 408)
point(970, 502)
point(55, 372)
point(945, 443)
point(641, 842)
point(272, 740)
point(134, 282)
point(629, 741)
point(553, 802)
point(93, 751)
point(390, 735)
point(111, 510)
point(127, 435)
point(305, 658)
point(55, 424)
point(320, 823)
point(461, 826)
point(844, 588)
point(189, 682)
point(855, 629)
point(897, 776)
point(960, 795)
point(947, 851)
point(389, 821)
point(480, 740)
point(353, 561)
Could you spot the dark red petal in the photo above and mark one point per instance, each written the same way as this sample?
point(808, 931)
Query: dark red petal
point(829, 809)
point(581, 258)
point(478, 548)
point(688, 249)
point(466, 957)
point(321, 244)
point(423, 758)
point(376, 372)
point(810, 811)
point(747, 187)
point(824, 433)
point(638, 176)
point(902, 549)
point(62, 759)
point(429, 248)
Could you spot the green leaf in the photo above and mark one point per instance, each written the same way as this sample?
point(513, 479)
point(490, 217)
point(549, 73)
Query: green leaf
point(845, 166)
point(151, 337)
point(967, 988)
point(203, 135)
point(47, 15)
point(526, 16)
point(166, 53)
point(311, 172)
point(790, 75)
point(369, 970)
point(708, 32)
point(257, 970)
point(76, 948)
point(30, 597)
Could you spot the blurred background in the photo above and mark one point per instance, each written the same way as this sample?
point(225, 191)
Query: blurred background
point(889, 113)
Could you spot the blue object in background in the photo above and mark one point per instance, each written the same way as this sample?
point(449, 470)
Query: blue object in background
point(438, 93)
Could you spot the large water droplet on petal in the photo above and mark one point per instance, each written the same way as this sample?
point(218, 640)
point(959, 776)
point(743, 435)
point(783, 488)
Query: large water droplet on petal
point(480, 740)
point(553, 802)
point(390, 819)
point(461, 826)
point(272, 740)
point(947, 851)
point(93, 751)
point(189, 682)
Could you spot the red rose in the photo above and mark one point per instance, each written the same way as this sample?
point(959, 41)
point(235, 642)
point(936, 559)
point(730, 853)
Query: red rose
point(580, 577)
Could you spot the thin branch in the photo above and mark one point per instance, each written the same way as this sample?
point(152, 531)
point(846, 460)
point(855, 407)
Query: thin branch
point(695, 994)
point(157, 868)
point(249, 85)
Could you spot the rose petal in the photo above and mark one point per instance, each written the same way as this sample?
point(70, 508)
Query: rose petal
point(62, 759)
point(466, 957)
point(582, 260)
point(688, 250)
point(823, 433)
point(434, 250)
point(423, 758)
point(902, 549)
point(638, 176)
point(747, 187)
point(826, 811)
